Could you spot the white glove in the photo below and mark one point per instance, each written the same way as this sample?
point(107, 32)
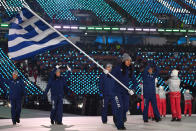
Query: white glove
point(131, 92)
point(57, 66)
point(68, 68)
point(106, 72)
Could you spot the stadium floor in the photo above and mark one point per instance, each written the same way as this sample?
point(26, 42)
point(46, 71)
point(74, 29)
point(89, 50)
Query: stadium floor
point(38, 120)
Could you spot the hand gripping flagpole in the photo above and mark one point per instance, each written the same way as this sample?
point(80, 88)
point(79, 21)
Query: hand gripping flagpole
point(26, 6)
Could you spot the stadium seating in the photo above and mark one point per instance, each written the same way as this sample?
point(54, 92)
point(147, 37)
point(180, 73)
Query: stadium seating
point(62, 9)
point(144, 11)
point(6, 69)
point(85, 76)
point(191, 3)
point(11, 6)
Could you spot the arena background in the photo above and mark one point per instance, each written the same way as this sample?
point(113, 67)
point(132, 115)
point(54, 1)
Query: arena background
point(159, 30)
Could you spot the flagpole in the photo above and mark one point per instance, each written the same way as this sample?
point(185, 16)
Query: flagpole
point(75, 46)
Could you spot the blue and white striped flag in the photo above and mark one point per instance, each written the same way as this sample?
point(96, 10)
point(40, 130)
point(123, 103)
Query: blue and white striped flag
point(29, 36)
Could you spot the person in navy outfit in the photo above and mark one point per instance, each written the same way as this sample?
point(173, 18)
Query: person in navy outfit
point(149, 91)
point(107, 91)
point(16, 93)
point(124, 73)
point(56, 84)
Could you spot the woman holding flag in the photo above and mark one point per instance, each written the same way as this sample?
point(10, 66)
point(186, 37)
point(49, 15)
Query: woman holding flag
point(125, 74)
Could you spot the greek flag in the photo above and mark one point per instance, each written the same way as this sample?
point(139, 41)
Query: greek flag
point(29, 36)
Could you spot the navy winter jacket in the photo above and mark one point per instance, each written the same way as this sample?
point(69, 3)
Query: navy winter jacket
point(56, 85)
point(17, 88)
point(124, 78)
point(106, 85)
point(149, 81)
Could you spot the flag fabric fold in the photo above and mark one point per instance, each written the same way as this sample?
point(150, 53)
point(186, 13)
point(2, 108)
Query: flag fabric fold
point(29, 36)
